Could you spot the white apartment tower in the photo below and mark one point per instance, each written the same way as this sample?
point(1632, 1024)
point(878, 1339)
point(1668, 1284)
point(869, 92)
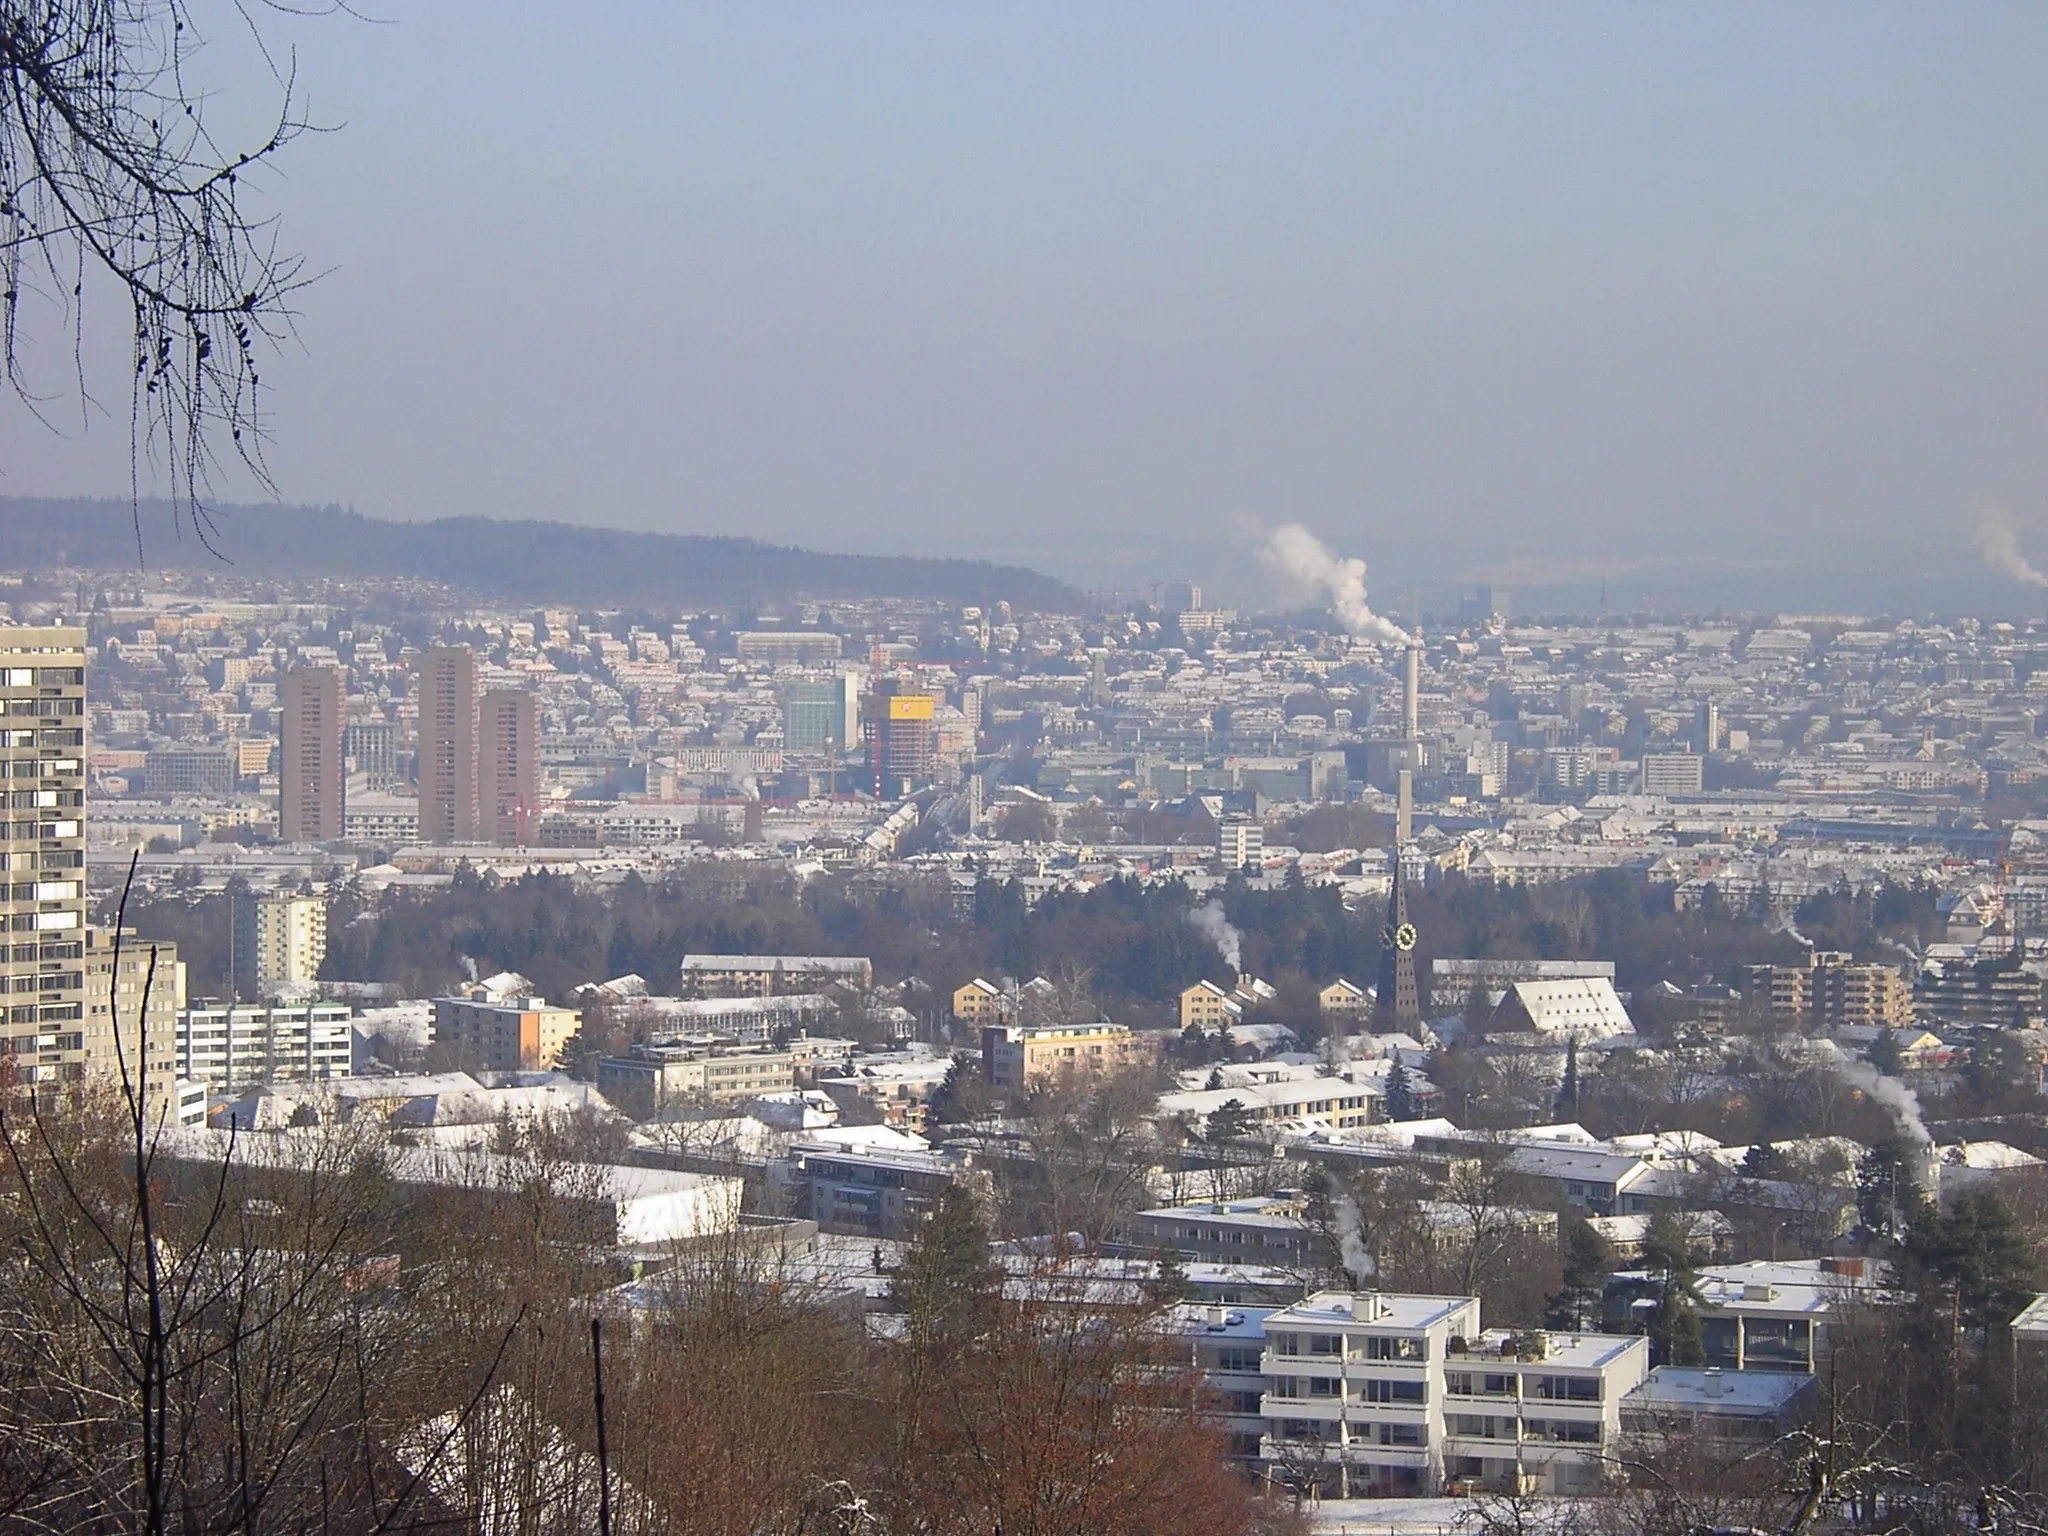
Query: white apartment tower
point(42, 852)
point(280, 939)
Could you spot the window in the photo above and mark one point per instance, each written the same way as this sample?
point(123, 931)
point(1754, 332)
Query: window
point(1576, 1389)
point(1324, 1386)
point(1234, 1359)
point(1394, 1391)
point(1458, 1383)
point(1400, 1348)
point(1285, 1343)
point(1327, 1344)
point(1400, 1434)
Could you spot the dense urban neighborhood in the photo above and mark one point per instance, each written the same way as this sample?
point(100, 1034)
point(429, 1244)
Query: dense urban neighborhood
point(1559, 1064)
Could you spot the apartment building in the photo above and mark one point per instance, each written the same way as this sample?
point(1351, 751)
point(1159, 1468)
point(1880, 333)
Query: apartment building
point(1268, 1230)
point(657, 1072)
point(871, 1188)
point(230, 1049)
point(146, 989)
point(1209, 1008)
point(1673, 773)
point(508, 767)
point(280, 939)
point(1240, 843)
point(42, 852)
point(447, 754)
point(978, 1003)
point(311, 772)
point(1373, 1395)
point(492, 1033)
point(1832, 989)
point(1319, 1103)
point(770, 975)
point(1015, 1055)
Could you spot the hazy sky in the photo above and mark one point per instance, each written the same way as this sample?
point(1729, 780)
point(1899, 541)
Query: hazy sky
point(1674, 295)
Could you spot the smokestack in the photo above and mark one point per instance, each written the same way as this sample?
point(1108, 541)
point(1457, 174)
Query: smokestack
point(1411, 683)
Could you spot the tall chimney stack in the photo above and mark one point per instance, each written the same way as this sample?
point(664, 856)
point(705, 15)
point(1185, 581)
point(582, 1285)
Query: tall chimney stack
point(1411, 683)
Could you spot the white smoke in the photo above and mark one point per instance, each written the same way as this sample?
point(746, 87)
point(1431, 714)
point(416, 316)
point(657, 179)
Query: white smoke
point(1788, 927)
point(1208, 920)
point(468, 966)
point(1307, 563)
point(1358, 1260)
point(1894, 1095)
point(1998, 541)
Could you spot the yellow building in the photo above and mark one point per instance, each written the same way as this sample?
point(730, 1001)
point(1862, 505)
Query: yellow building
point(978, 1003)
point(1014, 1056)
point(1206, 1006)
point(1831, 989)
point(1344, 999)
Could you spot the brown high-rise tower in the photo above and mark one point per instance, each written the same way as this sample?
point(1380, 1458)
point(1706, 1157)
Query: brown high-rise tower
point(310, 776)
point(508, 766)
point(447, 750)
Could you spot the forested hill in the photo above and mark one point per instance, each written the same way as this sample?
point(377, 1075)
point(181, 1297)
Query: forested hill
point(553, 562)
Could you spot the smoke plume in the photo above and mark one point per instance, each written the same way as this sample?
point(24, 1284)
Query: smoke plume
point(1998, 540)
point(1358, 1260)
point(1307, 563)
point(1893, 1095)
point(1211, 924)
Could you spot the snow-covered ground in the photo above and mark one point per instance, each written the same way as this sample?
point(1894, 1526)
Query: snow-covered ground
point(1393, 1517)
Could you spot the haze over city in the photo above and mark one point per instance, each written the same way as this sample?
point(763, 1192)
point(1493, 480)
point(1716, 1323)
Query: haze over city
point(1722, 305)
point(888, 770)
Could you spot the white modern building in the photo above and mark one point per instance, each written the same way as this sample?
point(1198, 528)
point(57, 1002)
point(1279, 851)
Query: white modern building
point(229, 1049)
point(1374, 1394)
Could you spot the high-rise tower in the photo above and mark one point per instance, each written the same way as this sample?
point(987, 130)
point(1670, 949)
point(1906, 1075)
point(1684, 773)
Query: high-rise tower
point(508, 766)
point(448, 745)
point(310, 762)
point(42, 853)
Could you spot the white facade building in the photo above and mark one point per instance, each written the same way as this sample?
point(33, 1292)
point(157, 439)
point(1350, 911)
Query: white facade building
point(243, 1047)
point(1371, 1394)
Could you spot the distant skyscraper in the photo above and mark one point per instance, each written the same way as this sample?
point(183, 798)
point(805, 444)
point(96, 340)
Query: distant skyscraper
point(901, 740)
point(508, 766)
point(447, 684)
point(309, 764)
point(821, 715)
point(1181, 597)
point(42, 903)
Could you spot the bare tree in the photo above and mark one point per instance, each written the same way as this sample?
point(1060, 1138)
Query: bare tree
point(109, 170)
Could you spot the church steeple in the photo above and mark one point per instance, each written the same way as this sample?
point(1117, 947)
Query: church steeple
point(1399, 1005)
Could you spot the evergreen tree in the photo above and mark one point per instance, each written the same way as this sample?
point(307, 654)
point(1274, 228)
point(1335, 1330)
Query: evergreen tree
point(1587, 1263)
point(1227, 1122)
point(1675, 1328)
point(1974, 1253)
point(1567, 1106)
point(948, 1276)
point(1884, 1052)
point(1888, 1193)
point(964, 1095)
point(1401, 1103)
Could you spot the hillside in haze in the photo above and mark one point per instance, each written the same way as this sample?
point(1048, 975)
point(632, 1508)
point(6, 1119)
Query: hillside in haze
point(542, 562)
